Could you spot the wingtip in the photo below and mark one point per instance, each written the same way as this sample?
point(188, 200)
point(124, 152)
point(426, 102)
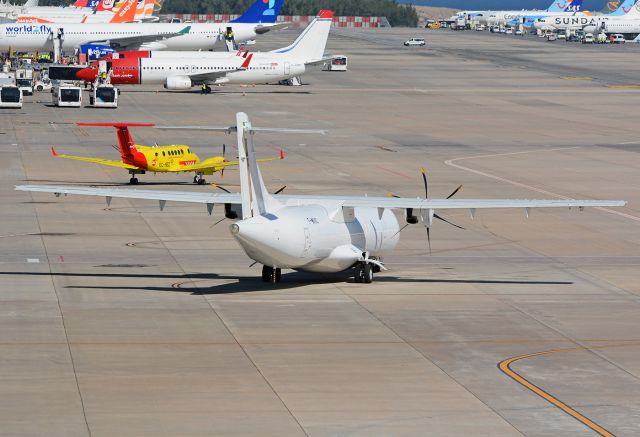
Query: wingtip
point(53, 151)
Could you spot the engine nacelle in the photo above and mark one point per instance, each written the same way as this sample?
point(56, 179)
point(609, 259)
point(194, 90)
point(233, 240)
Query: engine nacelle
point(178, 83)
point(232, 212)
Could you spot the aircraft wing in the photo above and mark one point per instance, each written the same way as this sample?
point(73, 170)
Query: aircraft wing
point(109, 162)
point(264, 28)
point(206, 166)
point(211, 76)
point(127, 193)
point(138, 40)
point(344, 201)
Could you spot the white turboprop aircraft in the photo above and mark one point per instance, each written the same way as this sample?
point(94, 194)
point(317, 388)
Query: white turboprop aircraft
point(311, 233)
point(259, 19)
point(183, 70)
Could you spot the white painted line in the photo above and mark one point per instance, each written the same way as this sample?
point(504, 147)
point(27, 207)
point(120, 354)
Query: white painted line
point(33, 260)
point(450, 162)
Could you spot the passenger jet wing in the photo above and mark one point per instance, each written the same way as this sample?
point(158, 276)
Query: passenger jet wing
point(211, 76)
point(138, 40)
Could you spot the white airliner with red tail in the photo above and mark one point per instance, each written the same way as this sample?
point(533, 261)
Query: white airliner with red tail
point(184, 70)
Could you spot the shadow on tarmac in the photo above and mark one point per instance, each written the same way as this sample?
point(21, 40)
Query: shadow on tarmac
point(254, 283)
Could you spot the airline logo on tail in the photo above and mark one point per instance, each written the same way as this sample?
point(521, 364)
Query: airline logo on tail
point(613, 6)
point(262, 11)
point(105, 5)
point(270, 11)
point(573, 6)
point(126, 13)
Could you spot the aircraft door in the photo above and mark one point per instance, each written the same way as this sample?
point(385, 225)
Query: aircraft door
point(287, 68)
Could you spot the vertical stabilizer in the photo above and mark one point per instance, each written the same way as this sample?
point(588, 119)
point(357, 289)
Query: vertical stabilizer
point(623, 9)
point(255, 198)
point(126, 13)
point(310, 45)
point(262, 11)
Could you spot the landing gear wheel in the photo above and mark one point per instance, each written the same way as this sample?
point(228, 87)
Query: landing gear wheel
point(267, 273)
point(201, 181)
point(367, 276)
point(358, 274)
point(195, 179)
point(133, 181)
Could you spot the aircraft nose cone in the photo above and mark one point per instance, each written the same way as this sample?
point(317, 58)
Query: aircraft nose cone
point(87, 74)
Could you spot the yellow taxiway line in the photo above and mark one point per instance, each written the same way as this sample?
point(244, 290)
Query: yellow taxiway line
point(505, 367)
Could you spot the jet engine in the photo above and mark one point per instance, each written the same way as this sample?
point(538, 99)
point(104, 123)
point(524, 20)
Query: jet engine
point(178, 83)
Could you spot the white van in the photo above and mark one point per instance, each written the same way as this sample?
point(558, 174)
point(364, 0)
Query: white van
point(338, 63)
point(618, 38)
point(104, 96)
point(415, 42)
point(67, 96)
point(10, 97)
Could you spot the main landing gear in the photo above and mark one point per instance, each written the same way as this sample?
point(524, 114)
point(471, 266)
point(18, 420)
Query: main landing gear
point(270, 274)
point(199, 179)
point(133, 180)
point(363, 273)
point(363, 270)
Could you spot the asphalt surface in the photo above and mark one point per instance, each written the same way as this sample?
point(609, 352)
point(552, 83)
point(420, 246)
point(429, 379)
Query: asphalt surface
point(128, 321)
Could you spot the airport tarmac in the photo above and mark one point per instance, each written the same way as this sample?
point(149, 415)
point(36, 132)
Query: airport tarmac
point(128, 321)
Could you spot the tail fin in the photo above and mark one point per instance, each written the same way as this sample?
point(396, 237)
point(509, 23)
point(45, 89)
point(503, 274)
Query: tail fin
point(633, 11)
point(310, 45)
point(145, 9)
point(262, 11)
point(30, 4)
point(92, 4)
point(573, 6)
point(557, 6)
point(77, 4)
point(105, 5)
point(125, 141)
point(623, 8)
point(126, 13)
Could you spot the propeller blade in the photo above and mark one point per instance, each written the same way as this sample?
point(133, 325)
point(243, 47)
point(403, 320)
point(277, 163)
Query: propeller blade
point(454, 192)
point(426, 185)
point(429, 239)
point(222, 219)
point(280, 190)
point(447, 221)
point(222, 188)
point(400, 230)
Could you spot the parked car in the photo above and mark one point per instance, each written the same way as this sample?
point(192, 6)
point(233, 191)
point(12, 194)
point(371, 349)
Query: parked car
point(618, 38)
point(415, 42)
point(588, 38)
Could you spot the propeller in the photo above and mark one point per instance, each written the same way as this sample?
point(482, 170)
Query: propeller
point(411, 219)
point(224, 151)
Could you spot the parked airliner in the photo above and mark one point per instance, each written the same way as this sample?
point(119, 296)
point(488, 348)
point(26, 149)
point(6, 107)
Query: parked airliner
point(259, 19)
point(183, 70)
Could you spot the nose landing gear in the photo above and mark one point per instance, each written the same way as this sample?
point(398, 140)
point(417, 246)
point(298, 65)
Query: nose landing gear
point(270, 274)
point(133, 180)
